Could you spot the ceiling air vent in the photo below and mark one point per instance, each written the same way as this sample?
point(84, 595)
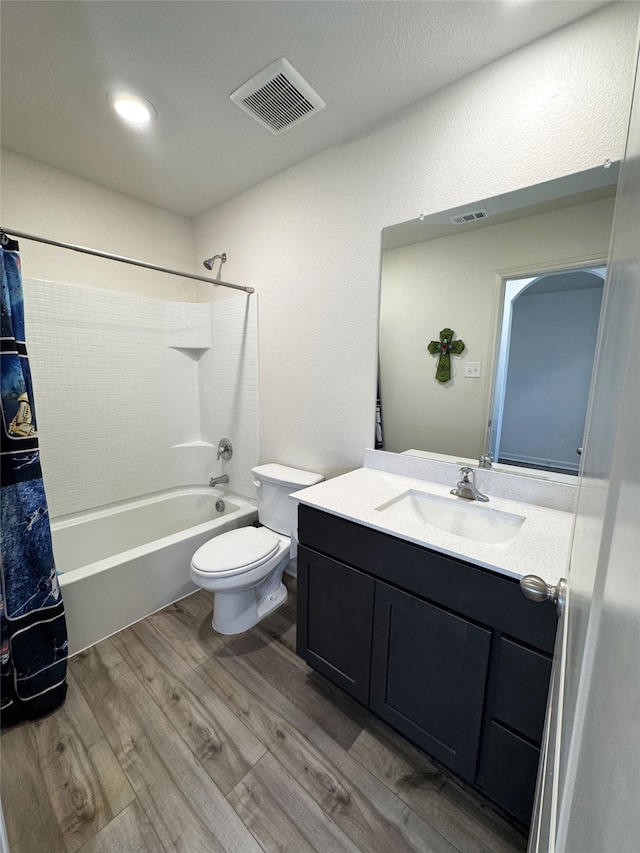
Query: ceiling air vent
point(278, 97)
point(463, 218)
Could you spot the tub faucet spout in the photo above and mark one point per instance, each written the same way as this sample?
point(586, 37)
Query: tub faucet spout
point(218, 481)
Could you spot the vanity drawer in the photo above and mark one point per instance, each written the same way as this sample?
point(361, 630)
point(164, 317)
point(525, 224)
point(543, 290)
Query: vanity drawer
point(484, 596)
point(509, 771)
point(522, 686)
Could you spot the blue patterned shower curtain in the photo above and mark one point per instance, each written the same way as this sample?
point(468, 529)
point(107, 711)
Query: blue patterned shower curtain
point(33, 633)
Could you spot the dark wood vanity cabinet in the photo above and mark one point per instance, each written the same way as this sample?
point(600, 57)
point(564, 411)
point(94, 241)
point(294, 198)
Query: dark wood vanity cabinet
point(337, 627)
point(451, 655)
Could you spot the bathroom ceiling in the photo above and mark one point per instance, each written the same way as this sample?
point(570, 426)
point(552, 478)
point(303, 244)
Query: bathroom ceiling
point(368, 60)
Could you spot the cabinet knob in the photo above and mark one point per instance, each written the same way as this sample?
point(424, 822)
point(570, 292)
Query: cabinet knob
point(535, 589)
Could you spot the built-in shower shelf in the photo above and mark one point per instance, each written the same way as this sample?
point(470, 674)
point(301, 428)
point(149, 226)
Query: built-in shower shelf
point(193, 444)
point(194, 353)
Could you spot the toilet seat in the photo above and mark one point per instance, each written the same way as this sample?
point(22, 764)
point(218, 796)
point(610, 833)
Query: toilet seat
point(235, 552)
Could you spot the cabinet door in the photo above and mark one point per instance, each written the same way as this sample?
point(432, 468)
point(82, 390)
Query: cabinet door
point(428, 675)
point(335, 618)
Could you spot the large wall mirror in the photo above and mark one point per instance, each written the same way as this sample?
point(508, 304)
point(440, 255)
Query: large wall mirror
point(519, 279)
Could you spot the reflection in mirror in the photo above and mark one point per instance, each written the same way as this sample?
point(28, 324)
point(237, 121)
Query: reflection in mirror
point(530, 352)
point(543, 370)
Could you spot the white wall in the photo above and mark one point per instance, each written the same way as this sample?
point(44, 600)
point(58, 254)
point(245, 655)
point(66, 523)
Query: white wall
point(47, 202)
point(455, 282)
point(309, 238)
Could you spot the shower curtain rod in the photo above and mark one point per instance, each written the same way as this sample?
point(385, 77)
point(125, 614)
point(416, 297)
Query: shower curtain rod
point(10, 232)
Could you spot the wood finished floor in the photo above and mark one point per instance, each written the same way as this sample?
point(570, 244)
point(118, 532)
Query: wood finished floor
point(174, 738)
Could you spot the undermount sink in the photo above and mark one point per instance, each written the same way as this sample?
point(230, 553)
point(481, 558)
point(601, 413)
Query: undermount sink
point(454, 515)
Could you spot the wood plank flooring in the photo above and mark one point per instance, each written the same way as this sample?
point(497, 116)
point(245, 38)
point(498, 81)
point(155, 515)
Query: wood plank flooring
point(174, 738)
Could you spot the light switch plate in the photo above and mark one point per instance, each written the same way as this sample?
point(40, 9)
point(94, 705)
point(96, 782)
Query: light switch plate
point(472, 369)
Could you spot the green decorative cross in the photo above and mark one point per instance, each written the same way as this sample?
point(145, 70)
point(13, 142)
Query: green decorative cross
point(444, 347)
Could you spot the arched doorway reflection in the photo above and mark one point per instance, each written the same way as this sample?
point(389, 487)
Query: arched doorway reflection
point(549, 330)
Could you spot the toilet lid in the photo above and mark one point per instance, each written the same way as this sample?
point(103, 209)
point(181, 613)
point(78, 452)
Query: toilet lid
point(244, 547)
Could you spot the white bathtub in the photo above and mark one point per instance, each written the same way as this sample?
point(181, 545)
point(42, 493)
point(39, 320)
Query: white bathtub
point(125, 561)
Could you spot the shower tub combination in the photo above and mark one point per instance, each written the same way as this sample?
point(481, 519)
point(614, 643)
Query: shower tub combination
point(123, 562)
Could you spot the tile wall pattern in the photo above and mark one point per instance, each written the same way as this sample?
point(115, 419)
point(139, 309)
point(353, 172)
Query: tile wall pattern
point(124, 391)
point(229, 388)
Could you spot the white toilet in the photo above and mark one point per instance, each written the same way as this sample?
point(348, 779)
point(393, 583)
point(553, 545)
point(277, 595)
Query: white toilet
point(244, 567)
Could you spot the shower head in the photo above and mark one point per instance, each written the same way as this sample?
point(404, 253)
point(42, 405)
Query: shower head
point(209, 262)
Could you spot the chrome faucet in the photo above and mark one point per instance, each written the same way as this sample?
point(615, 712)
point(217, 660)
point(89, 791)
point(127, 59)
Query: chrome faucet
point(486, 460)
point(466, 487)
point(218, 481)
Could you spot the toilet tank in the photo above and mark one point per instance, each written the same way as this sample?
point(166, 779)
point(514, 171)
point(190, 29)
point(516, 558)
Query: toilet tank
point(274, 483)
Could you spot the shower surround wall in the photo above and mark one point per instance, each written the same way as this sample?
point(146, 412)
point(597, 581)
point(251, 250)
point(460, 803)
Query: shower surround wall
point(133, 394)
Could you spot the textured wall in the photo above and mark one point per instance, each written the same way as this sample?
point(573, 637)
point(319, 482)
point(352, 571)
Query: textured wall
point(49, 203)
point(309, 238)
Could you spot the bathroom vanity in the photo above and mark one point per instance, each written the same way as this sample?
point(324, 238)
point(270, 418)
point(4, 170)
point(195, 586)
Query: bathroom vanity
point(440, 644)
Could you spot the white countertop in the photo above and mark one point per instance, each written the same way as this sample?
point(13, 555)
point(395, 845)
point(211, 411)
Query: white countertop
point(541, 546)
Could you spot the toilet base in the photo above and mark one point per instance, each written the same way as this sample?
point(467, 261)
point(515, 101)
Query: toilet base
point(235, 612)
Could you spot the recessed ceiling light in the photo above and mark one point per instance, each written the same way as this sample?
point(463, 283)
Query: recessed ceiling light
point(131, 108)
